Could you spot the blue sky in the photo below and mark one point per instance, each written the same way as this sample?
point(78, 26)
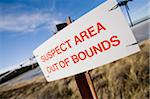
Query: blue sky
point(25, 24)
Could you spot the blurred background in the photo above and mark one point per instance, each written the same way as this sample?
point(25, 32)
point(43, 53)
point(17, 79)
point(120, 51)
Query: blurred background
point(26, 24)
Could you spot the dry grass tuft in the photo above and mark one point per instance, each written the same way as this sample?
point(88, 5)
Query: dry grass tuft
point(127, 78)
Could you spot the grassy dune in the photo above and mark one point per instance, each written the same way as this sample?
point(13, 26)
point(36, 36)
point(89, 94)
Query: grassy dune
point(127, 78)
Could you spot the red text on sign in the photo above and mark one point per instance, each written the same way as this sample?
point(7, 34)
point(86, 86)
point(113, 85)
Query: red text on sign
point(64, 46)
point(89, 33)
point(60, 65)
point(94, 50)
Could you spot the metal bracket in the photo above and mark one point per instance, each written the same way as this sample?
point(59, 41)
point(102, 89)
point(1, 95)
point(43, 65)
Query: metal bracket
point(132, 44)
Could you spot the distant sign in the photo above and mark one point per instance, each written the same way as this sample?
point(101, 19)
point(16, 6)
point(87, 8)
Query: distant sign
point(97, 38)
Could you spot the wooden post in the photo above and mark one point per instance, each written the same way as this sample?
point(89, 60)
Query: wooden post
point(85, 86)
point(84, 81)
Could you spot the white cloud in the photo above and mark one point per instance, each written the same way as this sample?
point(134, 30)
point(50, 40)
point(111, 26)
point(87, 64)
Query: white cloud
point(27, 22)
point(17, 18)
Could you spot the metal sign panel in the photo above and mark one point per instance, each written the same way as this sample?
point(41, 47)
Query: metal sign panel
point(97, 38)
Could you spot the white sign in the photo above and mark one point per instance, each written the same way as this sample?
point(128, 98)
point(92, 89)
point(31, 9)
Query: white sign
point(97, 38)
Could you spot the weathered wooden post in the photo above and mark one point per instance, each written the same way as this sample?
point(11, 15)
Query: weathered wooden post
point(84, 81)
point(108, 38)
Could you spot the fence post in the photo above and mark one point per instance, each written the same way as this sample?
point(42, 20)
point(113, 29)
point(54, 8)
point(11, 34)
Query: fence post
point(84, 81)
